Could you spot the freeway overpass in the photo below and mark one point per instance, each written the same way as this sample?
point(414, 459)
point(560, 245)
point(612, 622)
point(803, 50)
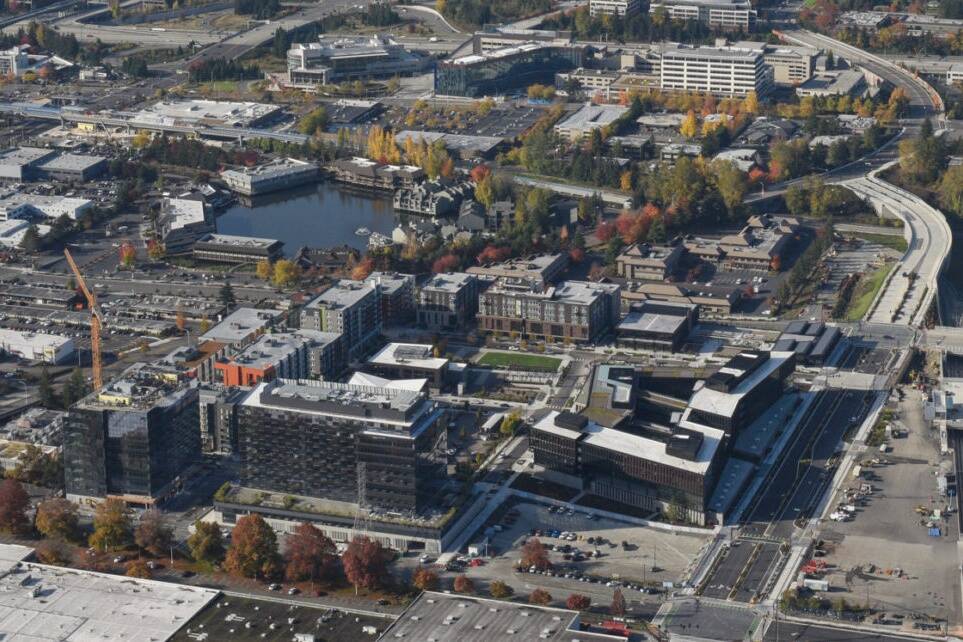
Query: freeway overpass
point(128, 121)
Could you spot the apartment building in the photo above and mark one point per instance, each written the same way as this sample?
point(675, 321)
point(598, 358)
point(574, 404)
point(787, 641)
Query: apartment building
point(448, 301)
point(723, 71)
point(570, 311)
point(349, 308)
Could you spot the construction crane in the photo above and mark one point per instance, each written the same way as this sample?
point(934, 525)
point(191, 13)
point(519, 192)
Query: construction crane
point(96, 320)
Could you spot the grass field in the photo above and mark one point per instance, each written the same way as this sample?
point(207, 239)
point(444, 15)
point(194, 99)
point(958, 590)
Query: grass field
point(866, 291)
point(898, 243)
point(520, 359)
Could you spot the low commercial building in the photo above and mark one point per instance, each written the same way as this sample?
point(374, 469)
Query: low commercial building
point(541, 270)
point(301, 354)
point(40, 295)
point(641, 465)
point(464, 146)
point(352, 111)
point(242, 326)
point(33, 346)
point(349, 308)
point(448, 301)
point(19, 164)
point(279, 174)
point(367, 173)
point(409, 361)
point(462, 617)
point(571, 311)
point(501, 70)
point(211, 113)
point(841, 82)
point(588, 119)
point(73, 167)
point(723, 14)
point(587, 81)
point(132, 439)
point(718, 299)
point(722, 71)
point(19, 205)
point(227, 248)
point(350, 58)
point(811, 342)
point(644, 262)
point(619, 8)
point(181, 222)
point(657, 326)
point(397, 294)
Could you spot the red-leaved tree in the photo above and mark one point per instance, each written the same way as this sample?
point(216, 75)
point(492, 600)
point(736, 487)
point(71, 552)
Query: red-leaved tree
point(447, 263)
point(534, 554)
point(577, 602)
point(14, 502)
point(309, 555)
point(365, 563)
point(463, 584)
point(254, 548)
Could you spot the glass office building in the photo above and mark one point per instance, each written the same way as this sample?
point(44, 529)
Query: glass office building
point(504, 70)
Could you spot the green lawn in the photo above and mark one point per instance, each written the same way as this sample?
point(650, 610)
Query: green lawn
point(866, 291)
point(898, 243)
point(520, 359)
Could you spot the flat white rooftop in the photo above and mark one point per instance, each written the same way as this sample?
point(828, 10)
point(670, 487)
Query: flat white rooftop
point(414, 355)
point(220, 111)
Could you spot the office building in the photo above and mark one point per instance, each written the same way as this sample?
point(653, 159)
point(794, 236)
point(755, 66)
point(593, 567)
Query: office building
point(279, 174)
point(503, 70)
point(227, 248)
point(301, 354)
point(740, 391)
point(371, 174)
point(73, 167)
point(14, 61)
point(351, 58)
point(637, 464)
point(409, 361)
point(723, 71)
point(448, 301)
point(349, 308)
point(571, 311)
point(18, 205)
point(589, 118)
point(839, 82)
point(722, 14)
point(324, 440)
point(181, 222)
point(644, 262)
point(242, 326)
point(397, 294)
point(33, 346)
point(655, 325)
point(19, 164)
point(133, 438)
point(217, 411)
point(790, 65)
point(496, 37)
point(619, 8)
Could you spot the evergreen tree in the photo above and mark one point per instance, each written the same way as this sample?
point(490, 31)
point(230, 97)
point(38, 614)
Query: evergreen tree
point(226, 294)
point(47, 397)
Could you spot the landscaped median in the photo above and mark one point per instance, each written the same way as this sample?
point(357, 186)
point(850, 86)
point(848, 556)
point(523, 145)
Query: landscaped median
point(869, 286)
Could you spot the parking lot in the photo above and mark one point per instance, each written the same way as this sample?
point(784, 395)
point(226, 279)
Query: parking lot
point(628, 555)
point(885, 553)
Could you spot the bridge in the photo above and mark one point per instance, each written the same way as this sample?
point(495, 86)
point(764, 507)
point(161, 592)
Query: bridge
point(129, 122)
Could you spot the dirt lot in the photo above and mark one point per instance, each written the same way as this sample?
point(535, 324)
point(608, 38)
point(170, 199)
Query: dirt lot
point(887, 533)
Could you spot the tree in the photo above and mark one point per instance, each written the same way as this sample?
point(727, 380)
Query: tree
point(286, 273)
point(31, 239)
point(264, 270)
point(577, 602)
point(138, 568)
point(254, 549)
point(510, 424)
point(540, 597)
point(534, 554)
point(74, 389)
point(446, 263)
point(484, 193)
point(500, 590)
point(951, 190)
point(363, 269)
point(53, 551)
point(625, 181)
point(617, 608)
point(112, 527)
point(463, 584)
point(751, 103)
point(309, 555)
point(57, 518)
point(731, 183)
point(153, 533)
point(206, 543)
point(690, 125)
point(36, 467)
point(14, 502)
point(226, 294)
point(140, 140)
point(314, 122)
point(425, 580)
point(46, 392)
point(365, 563)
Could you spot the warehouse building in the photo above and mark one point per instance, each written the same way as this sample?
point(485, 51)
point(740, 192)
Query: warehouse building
point(73, 167)
point(33, 346)
point(227, 248)
point(279, 174)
